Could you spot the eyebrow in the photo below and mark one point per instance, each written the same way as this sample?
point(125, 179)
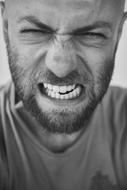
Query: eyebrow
point(36, 22)
point(79, 31)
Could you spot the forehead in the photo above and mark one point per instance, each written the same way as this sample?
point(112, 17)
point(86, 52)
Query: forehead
point(56, 11)
point(70, 4)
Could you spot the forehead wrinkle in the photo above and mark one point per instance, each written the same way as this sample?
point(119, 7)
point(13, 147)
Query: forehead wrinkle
point(75, 5)
point(56, 4)
point(67, 4)
point(68, 9)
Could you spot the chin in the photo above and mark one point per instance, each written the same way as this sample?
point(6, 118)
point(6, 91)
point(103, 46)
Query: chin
point(62, 120)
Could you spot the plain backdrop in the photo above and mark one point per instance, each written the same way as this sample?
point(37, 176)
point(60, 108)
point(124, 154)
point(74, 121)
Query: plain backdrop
point(120, 73)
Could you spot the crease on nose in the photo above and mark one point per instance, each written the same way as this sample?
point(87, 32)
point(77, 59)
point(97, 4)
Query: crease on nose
point(61, 38)
point(60, 58)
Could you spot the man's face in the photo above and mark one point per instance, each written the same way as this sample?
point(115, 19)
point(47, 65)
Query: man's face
point(61, 56)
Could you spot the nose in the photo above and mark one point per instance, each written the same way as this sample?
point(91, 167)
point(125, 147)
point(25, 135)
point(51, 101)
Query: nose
point(61, 58)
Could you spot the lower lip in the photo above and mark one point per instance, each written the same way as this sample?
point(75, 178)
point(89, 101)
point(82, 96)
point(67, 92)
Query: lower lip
point(65, 102)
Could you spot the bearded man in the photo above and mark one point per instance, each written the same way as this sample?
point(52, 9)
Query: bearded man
point(61, 126)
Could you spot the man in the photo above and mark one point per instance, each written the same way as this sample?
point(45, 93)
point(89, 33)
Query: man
point(60, 128)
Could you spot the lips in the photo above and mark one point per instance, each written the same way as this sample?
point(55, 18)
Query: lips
point(61, 92)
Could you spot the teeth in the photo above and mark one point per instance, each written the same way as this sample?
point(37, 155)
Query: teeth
point(55, 88)
point(49, 86)
point(45, 85)
point(69, 88)
point(63, 89)
point(49, 92)
point(59, 89)
point(54, 92)
point(57, 96)
point(71, 95)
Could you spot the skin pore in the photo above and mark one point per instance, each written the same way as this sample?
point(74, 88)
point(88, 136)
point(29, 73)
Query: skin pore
point(62, 43)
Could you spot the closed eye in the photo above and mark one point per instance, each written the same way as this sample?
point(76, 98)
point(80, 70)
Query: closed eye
point(91, 35)
point(31, 30)
point(94, 34)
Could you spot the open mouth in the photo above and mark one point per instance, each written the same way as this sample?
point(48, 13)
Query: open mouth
point(61, 92)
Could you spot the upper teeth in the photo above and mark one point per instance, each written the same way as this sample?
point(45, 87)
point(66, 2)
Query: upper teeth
point(59, 89)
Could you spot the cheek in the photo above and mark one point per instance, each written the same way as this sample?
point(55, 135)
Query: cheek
point(29, 55)
point(92, 59)
point(97, 58)
point(21, 70)
point(101, 64)
point(30, 61)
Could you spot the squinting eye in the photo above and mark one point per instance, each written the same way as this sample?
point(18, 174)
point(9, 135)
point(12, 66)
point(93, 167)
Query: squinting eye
point(95, 35)
point(90, 35)
point(35, 31)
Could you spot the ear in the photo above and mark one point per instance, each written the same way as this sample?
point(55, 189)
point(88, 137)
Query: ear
point(4, 19)
point(124, 18)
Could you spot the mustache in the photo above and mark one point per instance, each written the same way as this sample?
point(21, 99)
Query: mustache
point(75, 77)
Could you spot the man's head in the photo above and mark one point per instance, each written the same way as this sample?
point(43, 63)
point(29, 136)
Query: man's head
point(61, 56)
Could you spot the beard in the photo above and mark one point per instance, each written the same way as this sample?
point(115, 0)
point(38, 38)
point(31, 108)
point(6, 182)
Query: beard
point(64, 120)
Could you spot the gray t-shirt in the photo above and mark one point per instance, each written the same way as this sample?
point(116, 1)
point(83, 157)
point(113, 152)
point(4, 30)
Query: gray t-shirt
point(97, 161)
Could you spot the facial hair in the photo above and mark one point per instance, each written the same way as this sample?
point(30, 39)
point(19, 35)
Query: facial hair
point(66, 120)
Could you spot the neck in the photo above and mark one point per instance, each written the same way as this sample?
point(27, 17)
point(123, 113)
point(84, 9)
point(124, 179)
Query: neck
point(59, 143)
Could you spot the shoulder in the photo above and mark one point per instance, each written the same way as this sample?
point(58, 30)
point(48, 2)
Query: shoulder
point(5, 93)
point(4, 97)
point(114, 106)
point(113, 109)
point(116, 92)
point(115, 99)
point(115, 118)
point(112, 114)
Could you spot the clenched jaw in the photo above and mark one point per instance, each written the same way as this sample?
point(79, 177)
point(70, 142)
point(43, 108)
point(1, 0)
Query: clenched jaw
point(61, 92)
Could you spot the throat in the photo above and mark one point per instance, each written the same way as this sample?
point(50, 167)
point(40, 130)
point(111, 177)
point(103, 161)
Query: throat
point(58, 143)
